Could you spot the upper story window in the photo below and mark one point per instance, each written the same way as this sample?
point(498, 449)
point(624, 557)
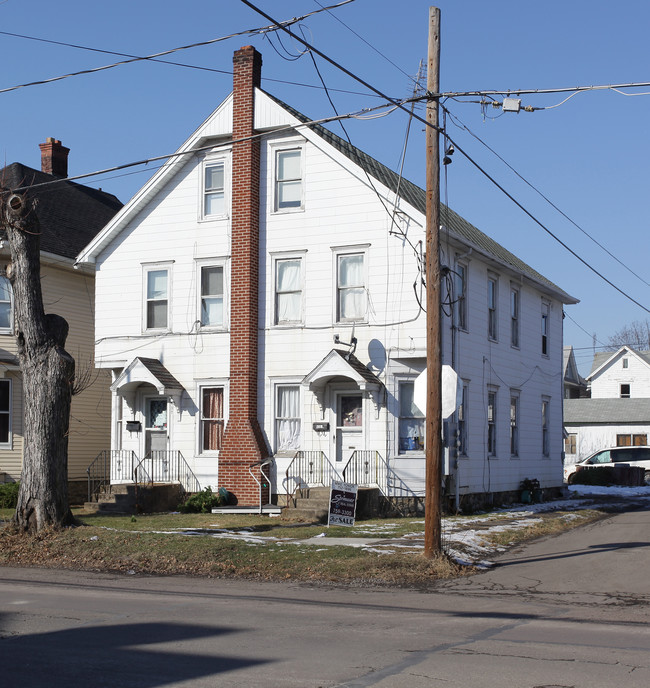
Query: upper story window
point(156, 292)
point(545, 324)
point(514, 317)
point(461, 296)
point(214, 188)
point(6, 305)
point(492, 307)
point(350, 285)
point(212, 296)
point(625, 362)
point(288, 290)
point(288, 179)
point(5, 413)
point(411, 420)
point(625, 391)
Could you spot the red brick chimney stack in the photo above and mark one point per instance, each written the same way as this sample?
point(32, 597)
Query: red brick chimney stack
point(243, 441)
point(54, 157)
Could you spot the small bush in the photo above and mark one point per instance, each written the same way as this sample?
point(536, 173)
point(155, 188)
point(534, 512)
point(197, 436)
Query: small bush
point(202, 502)
point(9, 495)
point(600, 475)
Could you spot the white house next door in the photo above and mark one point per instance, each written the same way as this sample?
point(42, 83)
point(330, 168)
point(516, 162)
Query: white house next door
point(349, 425)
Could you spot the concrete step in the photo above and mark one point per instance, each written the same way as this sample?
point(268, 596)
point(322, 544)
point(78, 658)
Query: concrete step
point(307, 514)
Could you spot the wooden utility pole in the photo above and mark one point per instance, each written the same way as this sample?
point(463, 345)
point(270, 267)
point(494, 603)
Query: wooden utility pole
point(432, 528)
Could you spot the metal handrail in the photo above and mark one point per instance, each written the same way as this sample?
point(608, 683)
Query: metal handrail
point(260, 465)
point(309, 469)
point(109, 464)
point(166, 466)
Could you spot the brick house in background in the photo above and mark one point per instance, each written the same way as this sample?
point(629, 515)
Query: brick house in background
point(70, 215)
point(259, 299)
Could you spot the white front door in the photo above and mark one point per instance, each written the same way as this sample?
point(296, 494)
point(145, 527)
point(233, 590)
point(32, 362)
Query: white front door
point(349, 425)
point(156, 427)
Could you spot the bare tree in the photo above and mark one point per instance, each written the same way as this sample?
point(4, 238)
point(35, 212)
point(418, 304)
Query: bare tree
point(48, 373)
point(635, 335)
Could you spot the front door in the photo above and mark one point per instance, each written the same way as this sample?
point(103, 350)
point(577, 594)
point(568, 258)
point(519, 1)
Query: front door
point(349, 425)
point(155, 432)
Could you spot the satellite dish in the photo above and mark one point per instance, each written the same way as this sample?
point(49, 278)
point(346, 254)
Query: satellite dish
point(452, 391)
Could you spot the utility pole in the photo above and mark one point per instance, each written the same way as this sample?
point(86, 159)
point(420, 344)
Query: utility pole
point(433, 479)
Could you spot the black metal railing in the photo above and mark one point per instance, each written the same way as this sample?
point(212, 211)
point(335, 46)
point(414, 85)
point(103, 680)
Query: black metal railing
point(163, 466)
point(114, 465)
point(367, 468)
point(309, 469)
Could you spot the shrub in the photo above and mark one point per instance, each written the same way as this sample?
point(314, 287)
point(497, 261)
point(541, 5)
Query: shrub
point(599, 475)
point(9, 495)
point(202, 502)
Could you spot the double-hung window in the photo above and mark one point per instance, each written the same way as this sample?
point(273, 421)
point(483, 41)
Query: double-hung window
point(212, 296)
point(491, 422)
point(5, 413)
point(6, 305)
point(570, 443)
point(156, 292)
point(351, 296)
point(545, 427)
point(287, 417)
point(461, 296)
point(214, 188)
point(492, 307)
point(514, 317)
point(288, 290)
point(411, 420)
point(288, 179)
point(212, 419)
point(514, 423)
point(462, 421)
point(545, 324)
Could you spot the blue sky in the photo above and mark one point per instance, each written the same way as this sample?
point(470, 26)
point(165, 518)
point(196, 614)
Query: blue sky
point(588, 155)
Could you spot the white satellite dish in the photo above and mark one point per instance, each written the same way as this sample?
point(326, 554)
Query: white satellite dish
point(452, 391)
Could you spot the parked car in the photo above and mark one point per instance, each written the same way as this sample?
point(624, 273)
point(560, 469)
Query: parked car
point(632, 456)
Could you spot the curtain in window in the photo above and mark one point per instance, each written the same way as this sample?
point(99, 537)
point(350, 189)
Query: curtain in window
point(352, 293)
point(288, 291)
point(212, 418)
point(288, 418)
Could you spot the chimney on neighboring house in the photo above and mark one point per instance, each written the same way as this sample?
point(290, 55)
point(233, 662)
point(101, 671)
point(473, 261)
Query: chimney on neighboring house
point(54, 157)
point(243, 441)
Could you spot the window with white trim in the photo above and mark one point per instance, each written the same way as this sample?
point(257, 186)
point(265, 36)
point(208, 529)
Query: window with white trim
point(156, 297)
point(411, 420)
point(491, 422)
point(514, 317)
point(214, 189)
point(288, 290)
point(492, 307)
point(6, 305)
point(545, 324)
point(625, 363)
point(351, 299)
point(545, 427)
point(211, 423)
point(571, 443)
point(212, 295)
point(287, 418)
point(625, 390)
point(514, 423)
point(288, 176)
point(5, 413)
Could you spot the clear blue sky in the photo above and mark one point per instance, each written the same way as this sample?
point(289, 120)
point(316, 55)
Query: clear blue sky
point(589, 155)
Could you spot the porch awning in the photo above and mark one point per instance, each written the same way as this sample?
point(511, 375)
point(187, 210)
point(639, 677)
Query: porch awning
point(148, 371)
point(342, 364)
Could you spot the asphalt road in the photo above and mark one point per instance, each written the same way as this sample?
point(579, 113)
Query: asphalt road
point(566, 611)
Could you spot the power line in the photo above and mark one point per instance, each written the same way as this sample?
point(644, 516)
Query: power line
point(131, 59)
point(460, 124)
point(541, 91)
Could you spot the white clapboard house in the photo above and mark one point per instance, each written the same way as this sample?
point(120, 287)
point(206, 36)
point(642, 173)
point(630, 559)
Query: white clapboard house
point(259, 304)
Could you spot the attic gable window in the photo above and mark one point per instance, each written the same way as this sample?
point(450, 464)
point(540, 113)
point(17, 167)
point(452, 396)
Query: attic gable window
point(288, 180)
point(625, 391)
point(214, 189)
point(625, 362)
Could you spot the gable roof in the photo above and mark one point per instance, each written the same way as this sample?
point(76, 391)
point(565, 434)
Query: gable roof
point(604, 358)
point(70, 214)
point(571, 374)
point(606, 411)
point(219, 124)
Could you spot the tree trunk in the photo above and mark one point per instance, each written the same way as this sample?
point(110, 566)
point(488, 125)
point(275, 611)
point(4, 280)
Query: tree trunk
point(48, 376)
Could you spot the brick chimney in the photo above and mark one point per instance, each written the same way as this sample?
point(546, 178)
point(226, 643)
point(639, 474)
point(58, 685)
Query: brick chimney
point(243, 441)
point(54, 157)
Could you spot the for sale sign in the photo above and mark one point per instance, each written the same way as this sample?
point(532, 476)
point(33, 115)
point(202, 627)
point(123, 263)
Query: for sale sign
point(343, 504)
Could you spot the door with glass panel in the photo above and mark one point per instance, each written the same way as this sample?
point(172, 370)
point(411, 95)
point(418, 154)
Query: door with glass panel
point(348, 436)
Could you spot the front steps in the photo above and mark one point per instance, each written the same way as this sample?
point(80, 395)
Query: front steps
point(132, 499)
point(119, 499)
point(309, 504)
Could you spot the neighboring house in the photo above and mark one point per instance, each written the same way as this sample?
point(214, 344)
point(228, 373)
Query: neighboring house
point(261, 298)
point(70, 215)
point(575, 386)
point(618, 413)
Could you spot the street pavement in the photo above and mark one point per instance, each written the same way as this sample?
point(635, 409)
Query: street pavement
point(567, 611)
